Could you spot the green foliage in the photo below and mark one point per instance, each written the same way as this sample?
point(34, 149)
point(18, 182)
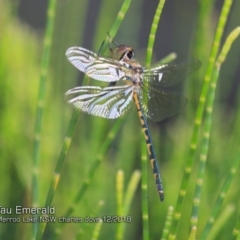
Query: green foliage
point(86, 166)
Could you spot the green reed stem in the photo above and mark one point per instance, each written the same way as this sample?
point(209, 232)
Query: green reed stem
point(221, 222)
point(40, 104)
point(167, 59)
point(198, 120)
point(129, 194)
point(236, 230)
point(203, 20)
point(124, 200)
point(207, 125)
point(96, 230)
point(151, 38)
point(226, 47)
point(98, 131)
point(119, 197)
point(130, 191)
point(56, 175)
point(66, 144)
point(144, 165)
point(192, 235)
point(114, 28)
point(167, 225)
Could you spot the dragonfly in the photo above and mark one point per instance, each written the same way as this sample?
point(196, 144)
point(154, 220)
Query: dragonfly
point(129, 83)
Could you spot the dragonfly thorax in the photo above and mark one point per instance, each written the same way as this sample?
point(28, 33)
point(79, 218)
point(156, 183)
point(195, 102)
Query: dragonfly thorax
point(133, 71)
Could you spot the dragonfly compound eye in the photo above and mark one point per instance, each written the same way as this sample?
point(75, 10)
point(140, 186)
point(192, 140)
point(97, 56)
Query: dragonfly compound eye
point(123, 52)
point(130, 54)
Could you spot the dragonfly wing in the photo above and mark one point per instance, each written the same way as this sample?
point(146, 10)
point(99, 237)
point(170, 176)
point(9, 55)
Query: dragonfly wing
point(159, 104)
point(107, 102)
point(169, 74)
point(98, 68)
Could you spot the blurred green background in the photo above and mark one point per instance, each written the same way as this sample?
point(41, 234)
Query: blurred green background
point(85, 23)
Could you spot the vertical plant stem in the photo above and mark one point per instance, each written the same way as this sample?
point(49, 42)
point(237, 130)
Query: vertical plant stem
point(56, 176)
point(199, 115)
point(203, 35)
point(151, 38)
point(167, 223)
point(96, 230)
point(128, 197)
point(222, 220)
point(192, 235)
point(124, 201)
point(236, 229)
point(130, 191)
point(119, 197)
point(40, 104)
point(62, 156)
point(115, 26)
point(207, 124)
point(144, 166)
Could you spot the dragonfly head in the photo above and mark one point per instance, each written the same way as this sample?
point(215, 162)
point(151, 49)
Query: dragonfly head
point(123, 52)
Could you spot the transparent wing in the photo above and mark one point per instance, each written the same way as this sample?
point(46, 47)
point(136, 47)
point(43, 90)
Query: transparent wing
point(169, 74)
point(107, 102)
point(99, 68)
point(158, 103)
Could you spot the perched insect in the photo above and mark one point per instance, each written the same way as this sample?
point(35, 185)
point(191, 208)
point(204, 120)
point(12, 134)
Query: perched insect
point(129, 82)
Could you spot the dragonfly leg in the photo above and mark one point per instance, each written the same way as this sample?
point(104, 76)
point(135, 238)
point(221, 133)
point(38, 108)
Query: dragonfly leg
point(100, 49)
point(111, 84)
point(110, 40)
